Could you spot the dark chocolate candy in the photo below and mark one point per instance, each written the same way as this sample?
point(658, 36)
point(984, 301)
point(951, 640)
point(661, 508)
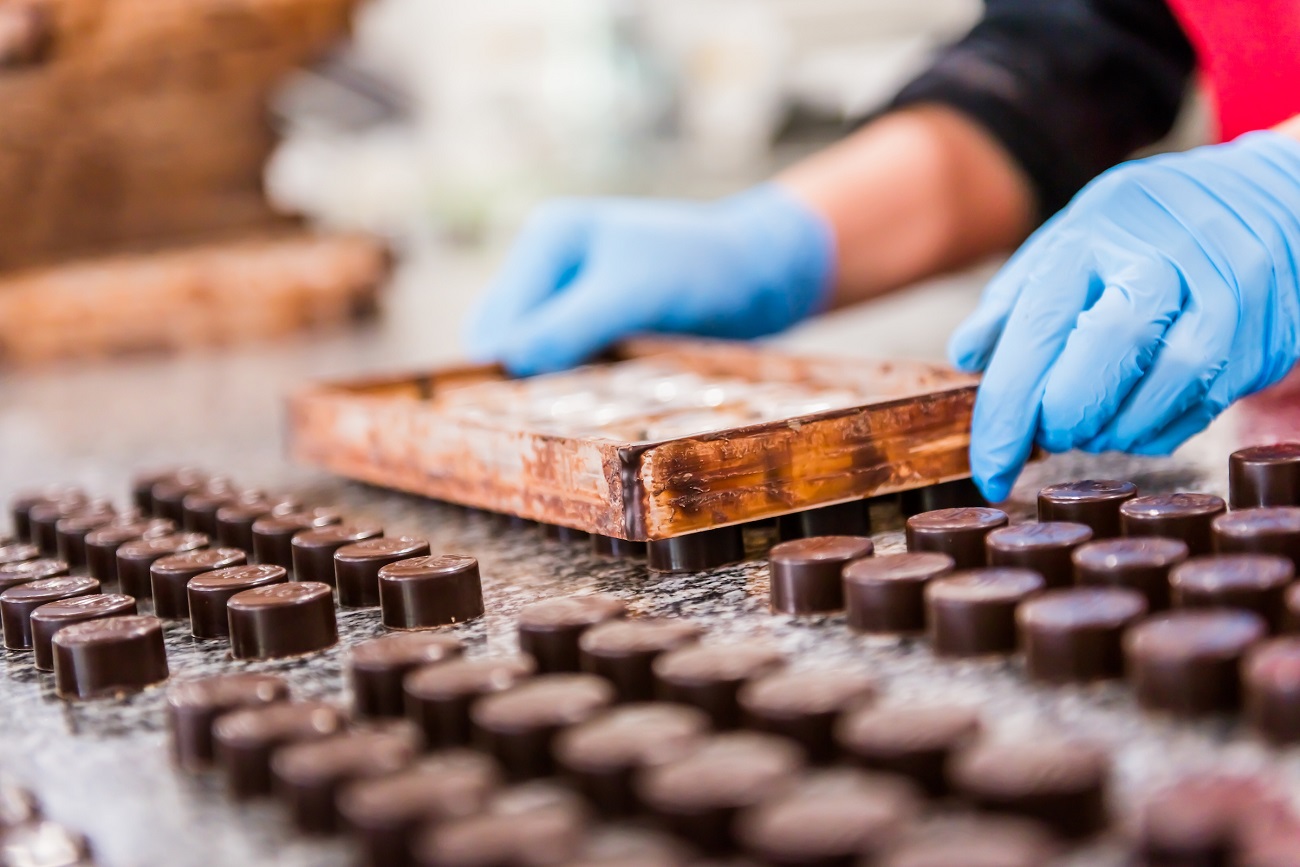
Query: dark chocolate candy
point(533, 825)
point(18, 552)
point(806, 573)
point(959, 533)
point(170, 576)
point(356, 566)
point(70, 534)
point(282, 620)
point(1264, 530)
point(193, 708)
point(18, 602)
point(235, 520)
point(1253, 582)
point(968, 842)
point(1200, 819)
point(1186, 662)
point(709, 676)
point(20, 507)
point(109, 656)
point(696, 552)
point(915, 740)
point(199, 508)
point(142, 486)
point(439, 697)
point(1140, 564)
point(273, 534)
point(973, 613)
point(886, 593)
point(1059, 783)
point(623, 651)
point(1271, 681)
point(28, 571)
point(436, 590)
point(550, 629)
point(1092, 502)
point(386, 812)
point(247, 738)
point(313, 550)
point(1075, 635)
point(699, 794)
point(44, 518)
point(518, 725)
point(167, 496)
point(841, 519)
point(209, 593)
point(828, 818)
point(102, 544)
point(377, 667)
point(135, 558)
point(805, 706)
point(611, 546)
point(1265, 476)
point(1188, 517)
point(53, 616)
point(957, 494)
point(563, 534)
point(603, 756)
point(1044, 547)
point(307, 776)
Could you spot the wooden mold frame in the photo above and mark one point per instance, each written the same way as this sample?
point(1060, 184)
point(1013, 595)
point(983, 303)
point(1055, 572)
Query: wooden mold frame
point(606, 449)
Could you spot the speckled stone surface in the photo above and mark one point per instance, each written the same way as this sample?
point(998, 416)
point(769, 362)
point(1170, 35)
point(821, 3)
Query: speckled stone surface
point(102, 767)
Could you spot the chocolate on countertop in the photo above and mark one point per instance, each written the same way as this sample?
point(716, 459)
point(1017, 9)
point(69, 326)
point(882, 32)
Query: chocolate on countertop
point(70, 534)
point(313, 549)
point(1140, 564)
point(1252, 582)
point(18, 552)
point(27, 571)
point(170, 576)
point(1094, 502)
point(356, 566)
point(696, 552)
point(709, 676)
point(1200, 818)
point(102, 544)
point(376, 668)
point(1184, 516)
point(109, 656)
point(973, 613)
point(987, 841)
point(210, 592)
point(915, 740)
point(518, 725)
point(1270, 678)
point(806, 573)
point(235, 520)
point(439, 697)
point(286, 619)
point(1264, 530)
point(18, 602)
point(435, 590)
point(959, 533)
point(1044, 547)
point(551, 629)
point(1267, 475)
point(53, 616)
point(194, 706)
point(886, 593)
point(273, 533)
point(841, 519)
point(135, 558)
point(610, 546)
point(1186, 662)
point(623, 651)
point(532, 825)
point(957, 494)
point(246, 739)
point(1075, 634)
point(805, 705)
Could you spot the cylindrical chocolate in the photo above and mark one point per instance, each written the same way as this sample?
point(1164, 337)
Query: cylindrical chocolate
point(1200, 819)
point(102, 544)
point(20, 507)
point(246, 739)
point(273, 534)
point(70, 535)
point(611, 546)
point(805, 706)
point(1186, 662)
point(550, 629)
point(439, 697)
point(18, 552)
point(699, 794)
point(563, 534)
point(30, 570)
point(209, 593)
point(18, 602)
point(356, 566)
point(53, 616)
point(170, 576)
point(603, 756)
point(1253, 582)
point(436, 590)
point(199, 508)
point(142, 486)
point(43, 519)
point(1271, 681)
point(1061, 784)
point(377, 667)
point(709, 676)
point(957, 494)
point(168, 494)
point(193, 707)
point(109, 656)
point(1188, 517)
point(235, 520)
point(545, 827)
point(1044, 548)
point(282, 620)
point(959, 533)
point(987, 841)
point(806, 573)
point(1075, 634)
point(973, 613)
point(307, 776)
point(915, 740)
point(841, 519)
point(1092, 502)
point(623, 651)
point(1265, 476)
point(313, 550)
point(696, 552)
point(386, 812)
point(1264, 530)
point(518, 725)
point(886, 593)
point(828, 818)
point(1140, 564)
point(135, 558)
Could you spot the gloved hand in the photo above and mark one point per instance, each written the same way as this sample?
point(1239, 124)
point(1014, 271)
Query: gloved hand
point(585, 273)
point(1166, 290)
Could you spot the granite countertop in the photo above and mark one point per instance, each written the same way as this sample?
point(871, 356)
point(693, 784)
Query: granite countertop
point(102, 767)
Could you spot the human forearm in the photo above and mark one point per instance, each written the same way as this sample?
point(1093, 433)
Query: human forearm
point(1290, 128)
point(915, 193)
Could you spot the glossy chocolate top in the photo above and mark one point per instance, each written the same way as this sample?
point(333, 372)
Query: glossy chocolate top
point(404, 650)
point(465, 677)
point(895, 730)
point(85, 608)
point(1207, 633)
point(382, 548)
point(631, 735)
point(154, 547)
point(966, 518)
point(820, 549)
point(336, 535)
point(566, 612)
point(236, 578)
point(793, 693)
point(1173, 506)
point(1121, 554)
point(906, 566)
point(200, 560)
point(49, 589)
point(1078, 607)
point(724, 771)
point(633, 636)
point(446, 785)
point(1037, 536)
point(1089, 490)
point(714, 663)
point(976, 586)
point(545, 700)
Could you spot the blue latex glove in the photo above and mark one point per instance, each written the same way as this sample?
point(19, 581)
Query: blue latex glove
point(585, 273)
point(1166, 290)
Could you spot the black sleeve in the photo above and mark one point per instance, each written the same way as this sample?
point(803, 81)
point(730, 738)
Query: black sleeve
point(1070, 87)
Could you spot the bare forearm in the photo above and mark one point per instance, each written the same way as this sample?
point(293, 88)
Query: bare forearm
point(1291, 128)
point(913, 194)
